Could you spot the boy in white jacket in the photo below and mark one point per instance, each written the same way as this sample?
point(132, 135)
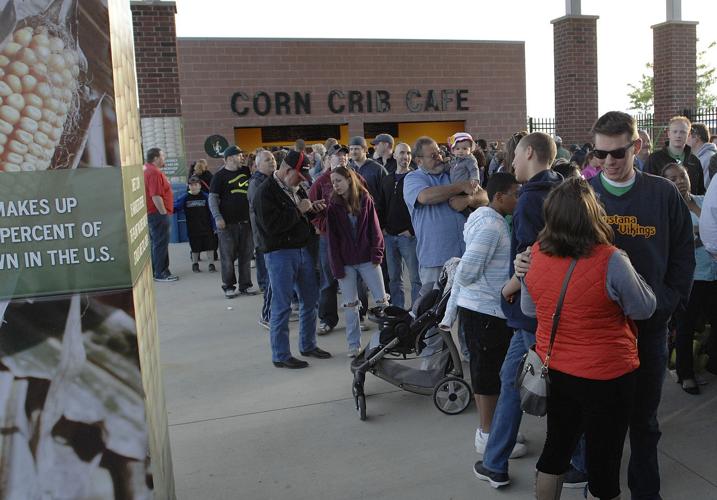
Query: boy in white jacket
point(475, 296)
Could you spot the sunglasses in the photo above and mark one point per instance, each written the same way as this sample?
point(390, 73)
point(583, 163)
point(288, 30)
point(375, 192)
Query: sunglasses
point(615, 153)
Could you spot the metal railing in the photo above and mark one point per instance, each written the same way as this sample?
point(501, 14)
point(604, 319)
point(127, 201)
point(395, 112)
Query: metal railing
point(646, 121)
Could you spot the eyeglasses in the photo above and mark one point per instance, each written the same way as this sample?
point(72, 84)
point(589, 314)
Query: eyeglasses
point(434, 155)
point(615, 153)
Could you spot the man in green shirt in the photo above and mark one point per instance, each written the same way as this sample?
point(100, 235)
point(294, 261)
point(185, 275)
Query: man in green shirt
point(677, 151)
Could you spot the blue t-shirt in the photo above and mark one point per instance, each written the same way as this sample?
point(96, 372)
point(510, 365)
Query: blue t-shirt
point(705, 266)
point(439, 228)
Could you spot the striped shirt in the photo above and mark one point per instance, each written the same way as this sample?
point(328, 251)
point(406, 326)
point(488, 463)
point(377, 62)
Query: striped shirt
point(484, 266)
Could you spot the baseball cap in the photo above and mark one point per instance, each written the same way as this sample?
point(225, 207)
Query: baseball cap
point(231, 151)
point(297, 161)
point(337, 148)
point(459, 137)
point(383, 138)
point(357, 140)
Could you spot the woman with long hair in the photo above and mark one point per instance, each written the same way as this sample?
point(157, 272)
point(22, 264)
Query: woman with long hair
point(355, 247)
point(594, 356)
point(703, 299)
point(201, 170)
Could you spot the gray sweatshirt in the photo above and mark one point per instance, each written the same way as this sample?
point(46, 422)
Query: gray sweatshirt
point(623, 285)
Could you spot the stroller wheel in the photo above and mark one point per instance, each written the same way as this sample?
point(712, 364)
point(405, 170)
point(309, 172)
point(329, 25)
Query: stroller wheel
point(452, 395)
point(361, 406)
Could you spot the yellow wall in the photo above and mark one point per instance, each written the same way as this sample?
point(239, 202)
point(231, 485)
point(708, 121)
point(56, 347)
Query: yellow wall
point(249, 139)
point(440, 131)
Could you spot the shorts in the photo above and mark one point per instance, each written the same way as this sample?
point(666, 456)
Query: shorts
point(488, 338)
point(203, 242)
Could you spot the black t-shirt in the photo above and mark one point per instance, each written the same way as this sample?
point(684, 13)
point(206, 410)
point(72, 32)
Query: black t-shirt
point(232, 186)
point(199, 218)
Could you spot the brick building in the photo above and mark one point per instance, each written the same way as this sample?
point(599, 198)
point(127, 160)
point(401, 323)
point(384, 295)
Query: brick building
point(263, 92)
point(160, 108)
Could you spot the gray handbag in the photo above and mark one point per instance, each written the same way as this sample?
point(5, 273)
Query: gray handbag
point(533, 382)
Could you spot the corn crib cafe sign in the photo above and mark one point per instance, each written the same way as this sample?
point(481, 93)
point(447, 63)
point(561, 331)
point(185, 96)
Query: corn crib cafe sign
point(263, 103)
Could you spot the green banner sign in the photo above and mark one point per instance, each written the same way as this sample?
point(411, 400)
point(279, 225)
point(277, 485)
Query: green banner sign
point(66, 231)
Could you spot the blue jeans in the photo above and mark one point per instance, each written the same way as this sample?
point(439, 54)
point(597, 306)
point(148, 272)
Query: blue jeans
point(643, 473)
point(159, 236)
point(291, 270)
point(373, 278)
point(328, 304)
point(507, 416)
point(262, 278)
point(401, 249)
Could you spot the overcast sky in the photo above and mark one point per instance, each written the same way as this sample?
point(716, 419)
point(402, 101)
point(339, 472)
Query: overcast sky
point(624, 33)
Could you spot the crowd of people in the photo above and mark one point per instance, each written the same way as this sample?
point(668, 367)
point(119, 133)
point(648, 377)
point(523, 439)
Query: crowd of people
point(626, 235)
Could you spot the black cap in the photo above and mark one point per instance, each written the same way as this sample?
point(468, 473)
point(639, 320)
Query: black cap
point(337, 148)
point(231, 151)
point(297, 161)
point(194, 179)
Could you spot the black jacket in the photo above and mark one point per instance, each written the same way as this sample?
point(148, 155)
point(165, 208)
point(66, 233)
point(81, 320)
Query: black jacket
point(278, 220)
point(657, 161)
point(391, 207)
point(389, 165)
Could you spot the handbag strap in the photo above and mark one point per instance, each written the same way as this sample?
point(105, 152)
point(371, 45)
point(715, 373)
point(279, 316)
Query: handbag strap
point(558, 310)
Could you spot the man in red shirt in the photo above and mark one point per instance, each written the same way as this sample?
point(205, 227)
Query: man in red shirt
point(160, 203)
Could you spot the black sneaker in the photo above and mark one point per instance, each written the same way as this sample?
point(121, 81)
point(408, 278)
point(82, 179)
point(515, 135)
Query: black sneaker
point(574, 479)
point(212, 268)
point(195, 268)
point(166, 279)
point(496, 479)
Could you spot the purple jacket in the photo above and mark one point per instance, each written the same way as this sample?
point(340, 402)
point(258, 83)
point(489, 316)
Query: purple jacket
point(344, 250)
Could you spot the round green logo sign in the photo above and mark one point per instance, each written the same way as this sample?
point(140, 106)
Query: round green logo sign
point(215, 145)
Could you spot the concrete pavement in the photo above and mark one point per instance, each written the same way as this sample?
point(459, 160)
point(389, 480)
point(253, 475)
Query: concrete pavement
point(242, 429)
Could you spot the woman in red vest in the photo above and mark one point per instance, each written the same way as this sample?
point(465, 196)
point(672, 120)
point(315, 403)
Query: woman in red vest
point(594, 356)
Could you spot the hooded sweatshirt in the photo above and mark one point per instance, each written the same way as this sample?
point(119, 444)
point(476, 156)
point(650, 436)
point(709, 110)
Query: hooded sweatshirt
point(705, 154)
point(484, 266)
point(527, 223)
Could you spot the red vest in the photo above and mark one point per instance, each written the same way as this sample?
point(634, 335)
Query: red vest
point(595, 340)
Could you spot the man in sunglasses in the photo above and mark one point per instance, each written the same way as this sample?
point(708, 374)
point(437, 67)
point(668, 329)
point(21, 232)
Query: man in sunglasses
point(653, 226)
point(677, 150)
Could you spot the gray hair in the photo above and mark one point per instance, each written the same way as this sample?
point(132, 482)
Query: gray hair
point(319, 149)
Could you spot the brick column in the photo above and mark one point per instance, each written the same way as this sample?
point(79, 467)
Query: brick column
point(155, 46)
point(160, 108)
point(675, 69)
point(576, 81)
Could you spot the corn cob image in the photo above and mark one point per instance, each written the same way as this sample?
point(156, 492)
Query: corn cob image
point(40, 65)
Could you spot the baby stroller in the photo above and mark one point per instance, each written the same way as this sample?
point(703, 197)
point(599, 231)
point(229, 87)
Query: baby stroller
point(412, 353)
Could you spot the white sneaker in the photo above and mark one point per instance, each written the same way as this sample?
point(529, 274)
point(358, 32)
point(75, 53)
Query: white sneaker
point(353, 352)
point(481, 440)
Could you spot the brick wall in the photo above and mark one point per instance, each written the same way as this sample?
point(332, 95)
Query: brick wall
point(675, 69)
point(576, 79)
point(211, 70)
point(155, 46)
